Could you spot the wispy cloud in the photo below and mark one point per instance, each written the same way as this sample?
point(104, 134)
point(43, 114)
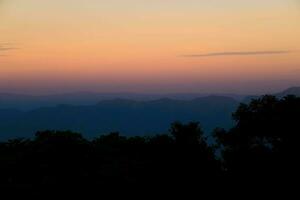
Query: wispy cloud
point(238, 53)
point(4, 47)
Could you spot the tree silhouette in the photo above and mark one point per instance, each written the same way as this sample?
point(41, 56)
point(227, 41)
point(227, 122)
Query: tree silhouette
point(161, 140)
point(262, 146)
point(112, 139)
point(264, 141)
point(187, 134)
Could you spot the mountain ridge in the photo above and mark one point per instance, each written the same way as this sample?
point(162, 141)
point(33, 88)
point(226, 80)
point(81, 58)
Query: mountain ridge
point(128, 117)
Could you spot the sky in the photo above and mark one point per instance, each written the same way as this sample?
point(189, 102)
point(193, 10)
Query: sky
point(149, 46)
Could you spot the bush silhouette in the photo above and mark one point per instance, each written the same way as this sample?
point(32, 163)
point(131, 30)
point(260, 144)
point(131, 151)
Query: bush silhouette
point(264, 141)
point(263, 145)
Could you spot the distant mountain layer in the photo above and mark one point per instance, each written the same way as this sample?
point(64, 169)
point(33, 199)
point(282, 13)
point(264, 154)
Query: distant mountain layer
point(29, 102)
point(131, 114)
point(127, 116)
point(290, 91)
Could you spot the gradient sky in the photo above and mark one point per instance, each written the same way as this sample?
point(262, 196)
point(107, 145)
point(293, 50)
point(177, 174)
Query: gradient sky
point(149, 46)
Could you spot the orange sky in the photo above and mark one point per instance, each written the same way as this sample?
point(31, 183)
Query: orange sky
point(145, 45)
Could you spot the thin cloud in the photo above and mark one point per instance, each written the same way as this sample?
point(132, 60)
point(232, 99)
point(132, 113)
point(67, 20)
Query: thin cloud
point(239, 53)
point(5, 47)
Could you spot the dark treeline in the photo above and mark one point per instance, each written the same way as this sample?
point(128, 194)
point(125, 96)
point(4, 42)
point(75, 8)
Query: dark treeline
point(262, 146)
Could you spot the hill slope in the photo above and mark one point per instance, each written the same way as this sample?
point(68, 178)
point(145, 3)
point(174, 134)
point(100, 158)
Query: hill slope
point(127, 116)
point(289, 91)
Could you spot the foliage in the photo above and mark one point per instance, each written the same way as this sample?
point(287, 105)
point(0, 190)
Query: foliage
point(262, 145)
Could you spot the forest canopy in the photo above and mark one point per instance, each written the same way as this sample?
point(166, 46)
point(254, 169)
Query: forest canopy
point(263, 145)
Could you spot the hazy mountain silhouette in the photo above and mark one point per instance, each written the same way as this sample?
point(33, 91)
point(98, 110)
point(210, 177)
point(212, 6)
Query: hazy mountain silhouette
point(290, 91)
point(127, 116)
point(29, 102)
point(131, 114)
